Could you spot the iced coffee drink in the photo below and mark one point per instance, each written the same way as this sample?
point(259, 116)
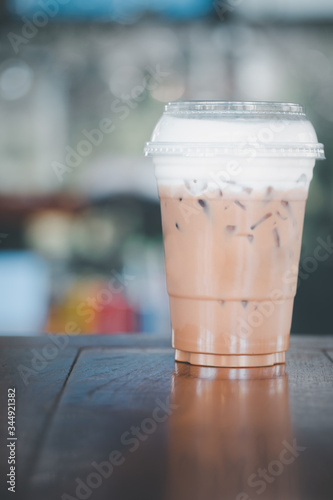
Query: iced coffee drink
point(233, 180)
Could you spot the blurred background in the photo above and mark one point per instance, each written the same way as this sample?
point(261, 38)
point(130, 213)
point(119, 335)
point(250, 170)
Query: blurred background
point(82, 85)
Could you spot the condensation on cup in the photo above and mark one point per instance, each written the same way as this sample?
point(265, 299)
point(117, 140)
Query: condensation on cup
point(233, 178)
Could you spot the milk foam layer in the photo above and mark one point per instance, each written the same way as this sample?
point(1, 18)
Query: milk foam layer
point(241, 130)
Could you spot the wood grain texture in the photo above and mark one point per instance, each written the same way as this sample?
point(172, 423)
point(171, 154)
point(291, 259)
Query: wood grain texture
point(109, 391)
point(311, 408)
point(38, 383)
point(164, 430)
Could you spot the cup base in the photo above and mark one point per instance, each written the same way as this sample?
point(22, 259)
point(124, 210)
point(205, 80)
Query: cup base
point(231, 361)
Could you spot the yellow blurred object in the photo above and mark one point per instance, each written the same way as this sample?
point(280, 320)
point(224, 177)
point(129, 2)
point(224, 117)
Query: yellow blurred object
point(76, 314)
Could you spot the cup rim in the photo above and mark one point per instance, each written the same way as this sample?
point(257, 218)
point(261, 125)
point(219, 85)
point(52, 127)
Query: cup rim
point(241, 150)
point(234, 107)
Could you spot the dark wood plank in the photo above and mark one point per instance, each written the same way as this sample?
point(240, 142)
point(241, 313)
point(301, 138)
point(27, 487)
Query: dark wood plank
point(109, 391)
point(311, 409)
point(225, 426)
point(38, 381)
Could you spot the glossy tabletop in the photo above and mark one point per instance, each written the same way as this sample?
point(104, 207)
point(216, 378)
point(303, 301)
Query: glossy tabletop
point(114, 417)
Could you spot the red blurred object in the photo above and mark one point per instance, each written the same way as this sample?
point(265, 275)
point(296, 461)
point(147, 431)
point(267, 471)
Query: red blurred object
point(116, 317)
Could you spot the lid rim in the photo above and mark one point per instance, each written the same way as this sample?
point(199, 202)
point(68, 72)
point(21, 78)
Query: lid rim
point(285, 150)
point(234, 107)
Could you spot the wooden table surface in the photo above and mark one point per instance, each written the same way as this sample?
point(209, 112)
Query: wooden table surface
point(114, 417)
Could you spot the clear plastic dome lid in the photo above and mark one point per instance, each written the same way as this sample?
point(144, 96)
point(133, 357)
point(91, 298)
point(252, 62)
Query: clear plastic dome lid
point(232, 128)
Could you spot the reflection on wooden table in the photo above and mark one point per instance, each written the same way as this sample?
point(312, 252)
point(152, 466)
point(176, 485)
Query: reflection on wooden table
point(230, 436)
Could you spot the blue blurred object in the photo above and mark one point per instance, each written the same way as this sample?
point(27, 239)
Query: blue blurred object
point(149, 321)
point(122, 11)
point(24, 293)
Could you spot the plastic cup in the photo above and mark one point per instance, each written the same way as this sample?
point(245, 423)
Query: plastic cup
point(233, 179)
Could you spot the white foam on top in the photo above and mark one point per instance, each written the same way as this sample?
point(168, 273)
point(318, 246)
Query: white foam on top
point(174, 129)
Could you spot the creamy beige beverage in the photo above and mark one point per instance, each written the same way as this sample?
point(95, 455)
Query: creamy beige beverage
point(232, 214)
point(238, 252)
